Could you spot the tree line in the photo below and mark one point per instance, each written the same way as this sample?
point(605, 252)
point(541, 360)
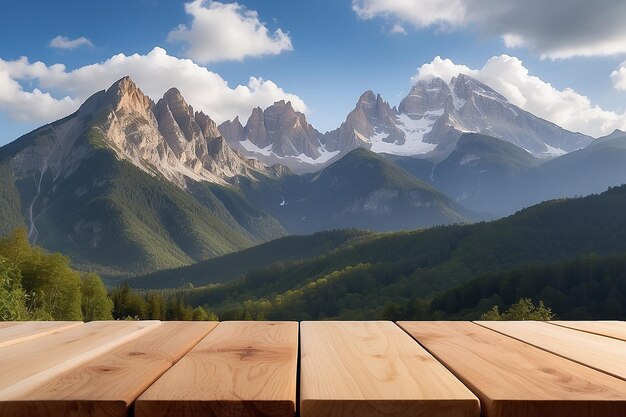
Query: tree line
point(37, 285)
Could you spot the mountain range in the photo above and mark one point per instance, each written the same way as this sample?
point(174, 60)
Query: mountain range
point(126, 185)
point(428, 122)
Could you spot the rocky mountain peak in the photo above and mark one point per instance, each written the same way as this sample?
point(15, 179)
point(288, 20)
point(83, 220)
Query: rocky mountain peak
point(368, 97)
point(207, 126)
point(125, 96)
point(174, 98)
point(464, 86)
point(426, 97)
point(278, 133)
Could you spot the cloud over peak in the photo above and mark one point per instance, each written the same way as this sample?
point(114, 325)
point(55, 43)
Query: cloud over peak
point(154, 73)
point(508, 76)
point(227, 32)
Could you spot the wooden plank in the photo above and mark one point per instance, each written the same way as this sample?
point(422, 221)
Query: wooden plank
point(26, 365)
point(597, 352)
point(374, 369)
point(107, 385)
point(240, 369)
point(512, 378)
point(614, 329)
point(5, 324)
point(27, 330)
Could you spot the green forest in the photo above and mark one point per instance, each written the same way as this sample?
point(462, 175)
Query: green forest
point(36, 285)
point(565, 256)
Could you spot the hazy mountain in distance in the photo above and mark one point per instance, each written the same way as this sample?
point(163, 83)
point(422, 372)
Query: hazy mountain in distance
point(362, 190)
point(485, 173)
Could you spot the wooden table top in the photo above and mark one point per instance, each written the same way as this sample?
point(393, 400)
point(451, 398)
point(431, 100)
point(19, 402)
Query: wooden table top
point(365, 369)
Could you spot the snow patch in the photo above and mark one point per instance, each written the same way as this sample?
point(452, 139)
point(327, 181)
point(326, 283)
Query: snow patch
point(251, 147)
point(552, 152)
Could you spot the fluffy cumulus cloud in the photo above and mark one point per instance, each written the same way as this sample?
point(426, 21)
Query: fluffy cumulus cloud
point(508, 76)
point(63, 42)
point(619, 77)
point(227, 32)
point(154, 73)
point(552, 28)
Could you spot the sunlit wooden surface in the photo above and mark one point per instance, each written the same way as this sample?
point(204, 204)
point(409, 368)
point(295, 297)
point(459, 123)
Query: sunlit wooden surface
point(240, 369)
point(11, 333)
point(614, 329)
point(335, 369)
point(374, 369)
point(513, 378)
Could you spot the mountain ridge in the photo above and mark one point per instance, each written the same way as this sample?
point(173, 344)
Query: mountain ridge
point(125, 185)
point(427, 123)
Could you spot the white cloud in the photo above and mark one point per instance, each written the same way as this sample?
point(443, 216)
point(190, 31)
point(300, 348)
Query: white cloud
point(154, 73)
point(227, 32)
point(552, 28)
point(508, 76)
point(398, 30)
point(619, 77)
point(63, 42)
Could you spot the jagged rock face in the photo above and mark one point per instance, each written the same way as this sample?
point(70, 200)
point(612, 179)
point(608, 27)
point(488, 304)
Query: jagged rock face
point(168, 138)
point(432, 117)
point(278, 134)
point(426, 96)
point(279, 129)
point(232, 130)
point(372, 116)
point(289, 132)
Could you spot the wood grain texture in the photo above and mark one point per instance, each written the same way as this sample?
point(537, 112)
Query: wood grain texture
point(108, 385)
point(240, 369)
point(374, 369)
point(29, 364)
point(512, 378)
point(614, 329)
point(597, 352)
point(23, 331)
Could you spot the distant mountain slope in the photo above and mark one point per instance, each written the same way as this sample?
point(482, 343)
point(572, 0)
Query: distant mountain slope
point(600, 165)
point(485, 173)
point(357, 281)
point(362, 190)
point(229, 267)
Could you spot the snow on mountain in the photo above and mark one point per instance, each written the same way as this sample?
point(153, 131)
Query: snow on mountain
point(428, 122)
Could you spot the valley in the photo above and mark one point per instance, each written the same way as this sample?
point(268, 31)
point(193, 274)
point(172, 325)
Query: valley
point(394, 208)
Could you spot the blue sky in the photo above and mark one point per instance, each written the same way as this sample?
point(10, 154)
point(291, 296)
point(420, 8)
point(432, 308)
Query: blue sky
point(336, 54)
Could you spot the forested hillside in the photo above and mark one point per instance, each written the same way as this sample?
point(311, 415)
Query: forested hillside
point(357, 281)
point(234, 265)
